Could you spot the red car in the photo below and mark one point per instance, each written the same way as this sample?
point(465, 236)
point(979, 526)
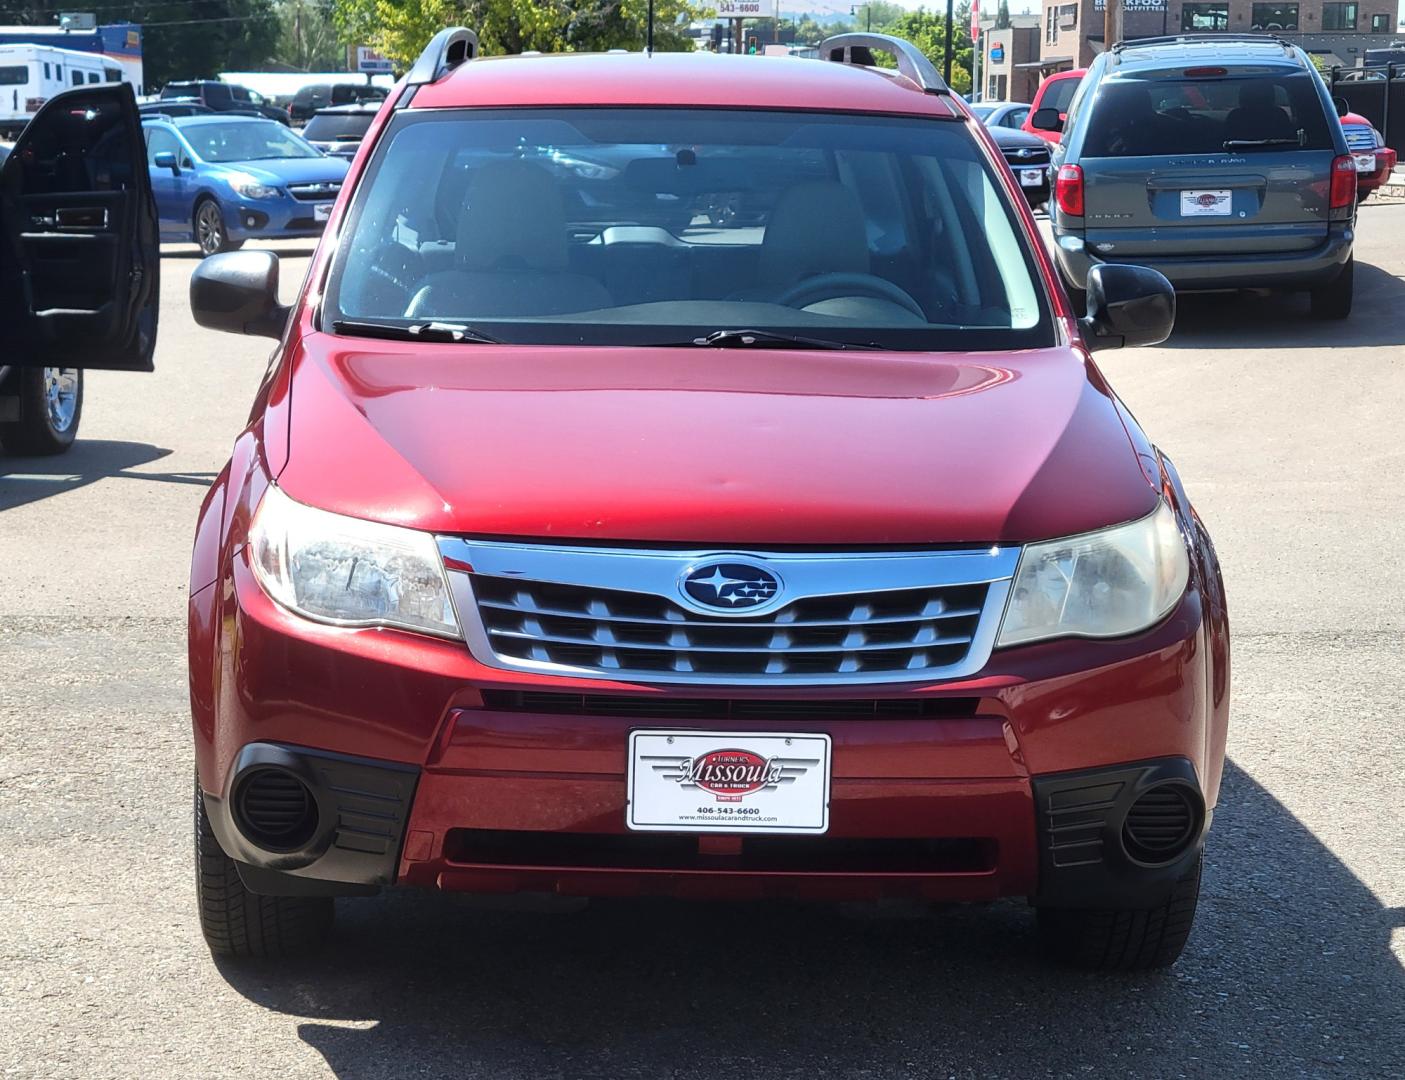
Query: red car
point(1049, 109)
point(804, 555)
point(1375, 161)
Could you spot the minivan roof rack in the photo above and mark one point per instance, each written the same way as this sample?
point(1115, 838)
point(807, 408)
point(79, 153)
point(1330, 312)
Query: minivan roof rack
point(859, 48)
point(446, 50)
point(1199, 39)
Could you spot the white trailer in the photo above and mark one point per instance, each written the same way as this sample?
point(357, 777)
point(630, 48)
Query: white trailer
point(31, 74)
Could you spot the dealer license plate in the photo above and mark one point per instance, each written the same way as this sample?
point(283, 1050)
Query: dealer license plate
point(728, 781)
point(322, 211)
point(1031, 177)
point(1217, 203)
point(1365, 161)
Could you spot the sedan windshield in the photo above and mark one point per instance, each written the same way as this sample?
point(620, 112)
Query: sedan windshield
point(664, 226)
point(246, 140)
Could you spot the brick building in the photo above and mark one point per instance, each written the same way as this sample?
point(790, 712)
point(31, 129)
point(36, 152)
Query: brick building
point(1070, 32)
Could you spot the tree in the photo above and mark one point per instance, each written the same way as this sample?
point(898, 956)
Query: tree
point(194, 39)
point(308, 38)
point(401, 28)
point(1002, 16)
point(927, 30)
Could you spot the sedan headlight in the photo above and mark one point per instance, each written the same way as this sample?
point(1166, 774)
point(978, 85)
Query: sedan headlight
point(348, 571)
point(250, 188)
point(1102, 584)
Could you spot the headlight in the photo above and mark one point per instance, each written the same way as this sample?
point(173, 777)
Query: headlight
point(1101, 584)
point(250, 188)
point(347, 571)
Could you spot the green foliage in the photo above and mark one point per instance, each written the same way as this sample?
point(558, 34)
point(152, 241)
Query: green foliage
point(927, 30)
point(401, 28)
point(307, 38)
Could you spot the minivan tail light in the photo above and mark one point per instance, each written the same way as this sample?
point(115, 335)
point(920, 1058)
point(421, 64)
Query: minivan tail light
point(1343, 182)
point(1068, 189)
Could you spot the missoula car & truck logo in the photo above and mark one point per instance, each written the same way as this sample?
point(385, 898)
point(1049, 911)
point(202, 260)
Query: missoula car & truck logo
point(732, 773)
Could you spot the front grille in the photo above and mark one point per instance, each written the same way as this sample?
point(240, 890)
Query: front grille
point(794, 854)
point(1359, 137)
point(1036, 157)
point(674, 708)
point(616, 631)
point(324, 192)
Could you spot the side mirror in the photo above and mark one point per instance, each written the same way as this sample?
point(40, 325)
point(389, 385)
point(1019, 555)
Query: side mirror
point(1046, 120)
point(1127, 305)
point(238, 292)
point(167, 160)
point(1343, 106)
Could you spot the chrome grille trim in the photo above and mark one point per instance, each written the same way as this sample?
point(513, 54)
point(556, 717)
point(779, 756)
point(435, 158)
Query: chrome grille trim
point(1359, 137)
point(319, 192)
point(616, 613)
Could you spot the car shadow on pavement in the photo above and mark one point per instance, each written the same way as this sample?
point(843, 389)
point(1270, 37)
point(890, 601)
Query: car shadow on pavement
point(1289, 973)
point(29, 479)
point(1249, 320)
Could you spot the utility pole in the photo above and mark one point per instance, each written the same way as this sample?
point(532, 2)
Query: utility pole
point(946, 61)
point(1112, 23)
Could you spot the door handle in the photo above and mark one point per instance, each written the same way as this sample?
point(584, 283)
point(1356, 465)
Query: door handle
point(81, 217)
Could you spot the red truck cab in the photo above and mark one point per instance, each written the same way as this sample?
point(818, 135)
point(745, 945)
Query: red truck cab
point(1055, 94)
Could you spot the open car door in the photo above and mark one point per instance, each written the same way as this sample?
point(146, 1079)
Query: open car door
point(79, 256)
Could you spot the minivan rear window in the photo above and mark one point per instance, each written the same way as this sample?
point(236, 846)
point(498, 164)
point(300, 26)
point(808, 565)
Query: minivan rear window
point(1143, 117)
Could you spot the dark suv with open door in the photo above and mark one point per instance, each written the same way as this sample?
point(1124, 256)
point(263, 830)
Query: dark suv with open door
point(1217, 161)
point(79, 261)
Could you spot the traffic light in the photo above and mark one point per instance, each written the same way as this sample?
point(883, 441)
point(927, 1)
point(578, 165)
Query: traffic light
point(751, 45)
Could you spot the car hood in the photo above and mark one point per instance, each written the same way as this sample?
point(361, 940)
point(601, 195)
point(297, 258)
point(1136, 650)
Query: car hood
point(291, 170)
point(734, 447)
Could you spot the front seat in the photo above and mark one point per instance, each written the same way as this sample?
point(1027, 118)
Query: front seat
point(511, 253)
point(1257, 116)
point(816, 227)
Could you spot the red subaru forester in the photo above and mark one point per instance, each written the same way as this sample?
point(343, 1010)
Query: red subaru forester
point(684, 475)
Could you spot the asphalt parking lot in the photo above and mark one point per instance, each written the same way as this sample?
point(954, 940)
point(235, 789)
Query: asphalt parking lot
point(1288, 434)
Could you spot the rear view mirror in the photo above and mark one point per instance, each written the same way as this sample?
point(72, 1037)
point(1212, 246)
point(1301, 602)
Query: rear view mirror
point(1343, 106)
point(238, 292)
point(167, 160)
point(1046, 120)
point(1127, 305)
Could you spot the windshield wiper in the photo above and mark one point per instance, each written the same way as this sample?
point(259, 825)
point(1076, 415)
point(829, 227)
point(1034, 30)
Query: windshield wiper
point(428, 331)
point(1249, 144)
point(765, 339)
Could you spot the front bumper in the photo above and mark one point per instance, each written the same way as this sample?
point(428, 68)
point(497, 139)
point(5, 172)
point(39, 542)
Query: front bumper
point(459, 781)
point(1287, 270)
point(270, 219)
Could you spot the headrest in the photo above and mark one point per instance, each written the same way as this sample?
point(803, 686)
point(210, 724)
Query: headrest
point(513, 217)
point(815, 228)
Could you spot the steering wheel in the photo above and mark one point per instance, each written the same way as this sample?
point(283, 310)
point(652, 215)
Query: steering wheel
point(831, 286)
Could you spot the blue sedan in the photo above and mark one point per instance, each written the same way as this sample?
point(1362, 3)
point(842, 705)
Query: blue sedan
point(220, 180)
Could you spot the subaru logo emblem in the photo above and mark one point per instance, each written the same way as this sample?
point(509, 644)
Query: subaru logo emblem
point(729, 586)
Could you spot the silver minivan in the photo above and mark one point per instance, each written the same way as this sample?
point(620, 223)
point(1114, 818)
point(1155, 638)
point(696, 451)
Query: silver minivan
point(1218, 161)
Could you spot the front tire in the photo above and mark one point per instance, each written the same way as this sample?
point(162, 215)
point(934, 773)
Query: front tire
point(1122, 939)
point(1334, 301)
point(211, 233)
point(237, 922)
point(51, 406)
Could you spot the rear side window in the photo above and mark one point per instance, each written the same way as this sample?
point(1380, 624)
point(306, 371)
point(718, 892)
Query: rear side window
point(1144, 117)
point(326, 128)
point(1058, 94)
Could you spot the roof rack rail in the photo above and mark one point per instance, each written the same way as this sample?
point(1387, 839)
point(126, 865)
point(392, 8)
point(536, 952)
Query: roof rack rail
point(1182, 39)
point(859, 49)
point(446, 50)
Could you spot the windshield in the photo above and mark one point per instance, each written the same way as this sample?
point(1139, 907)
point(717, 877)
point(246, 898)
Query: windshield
point(608, 226)
point(246, 140)
point(326, 127)
point(1135, 117)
